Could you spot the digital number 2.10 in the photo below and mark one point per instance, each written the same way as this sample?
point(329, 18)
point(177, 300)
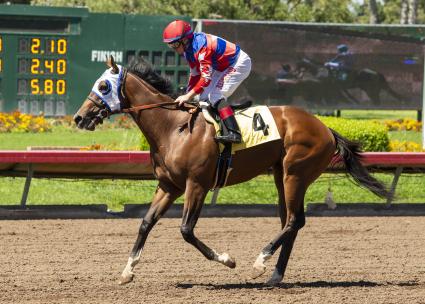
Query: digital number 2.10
point(48, 86)
point(52, 46)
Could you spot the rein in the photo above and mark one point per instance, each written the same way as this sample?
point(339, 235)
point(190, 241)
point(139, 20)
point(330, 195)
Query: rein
point(105, 112)
point(193, 106)
point(190, 105)
point(149, 106)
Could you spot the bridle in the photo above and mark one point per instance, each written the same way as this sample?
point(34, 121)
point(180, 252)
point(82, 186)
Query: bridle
point(105, 112)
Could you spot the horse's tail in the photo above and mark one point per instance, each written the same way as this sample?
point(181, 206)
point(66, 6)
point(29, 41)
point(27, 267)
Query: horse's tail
point(349, 151)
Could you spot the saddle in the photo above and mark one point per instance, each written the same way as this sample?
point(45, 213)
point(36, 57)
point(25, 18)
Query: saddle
point(225, 157)
point(256, 124)
point(239, 105)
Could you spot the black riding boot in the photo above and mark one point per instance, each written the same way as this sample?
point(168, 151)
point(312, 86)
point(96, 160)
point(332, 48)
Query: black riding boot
point(231, 132)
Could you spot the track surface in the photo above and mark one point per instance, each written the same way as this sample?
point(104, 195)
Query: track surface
point(335, 260)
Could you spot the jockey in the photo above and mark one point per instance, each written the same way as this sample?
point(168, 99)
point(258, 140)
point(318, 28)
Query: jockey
point(285, 72)
point(342, 62)
point(217, 68)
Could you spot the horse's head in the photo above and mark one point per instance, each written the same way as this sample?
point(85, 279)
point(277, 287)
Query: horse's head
point(104, 98)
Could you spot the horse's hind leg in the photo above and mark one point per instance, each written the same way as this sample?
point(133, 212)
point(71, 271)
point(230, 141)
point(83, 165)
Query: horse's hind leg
point(295, 220)
point(294, 194)
point(278, 180)
point(160, 203)
point(302, 165)
point(283, 258)
point(194, 199)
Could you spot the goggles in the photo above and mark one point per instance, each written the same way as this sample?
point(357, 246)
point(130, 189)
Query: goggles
point(174, 45)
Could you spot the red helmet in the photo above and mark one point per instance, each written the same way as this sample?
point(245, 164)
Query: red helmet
point(177, 30)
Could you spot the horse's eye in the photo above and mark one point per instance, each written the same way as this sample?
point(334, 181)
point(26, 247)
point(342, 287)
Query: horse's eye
point(104, 87)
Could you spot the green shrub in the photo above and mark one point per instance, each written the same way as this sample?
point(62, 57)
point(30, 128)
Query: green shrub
point(372, 135)
point(144, 145)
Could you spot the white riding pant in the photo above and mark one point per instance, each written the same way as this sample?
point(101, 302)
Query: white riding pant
point(224, 83)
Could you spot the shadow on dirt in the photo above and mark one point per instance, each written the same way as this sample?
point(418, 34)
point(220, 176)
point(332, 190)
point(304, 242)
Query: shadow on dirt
point(316, 284)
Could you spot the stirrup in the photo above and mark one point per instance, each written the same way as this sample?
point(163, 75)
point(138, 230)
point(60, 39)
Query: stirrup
point(233, 138)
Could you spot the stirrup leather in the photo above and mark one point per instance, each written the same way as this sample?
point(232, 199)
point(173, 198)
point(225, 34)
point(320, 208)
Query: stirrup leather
point(231, 137)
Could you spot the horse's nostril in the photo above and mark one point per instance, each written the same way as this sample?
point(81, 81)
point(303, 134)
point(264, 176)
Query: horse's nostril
point(77, 118)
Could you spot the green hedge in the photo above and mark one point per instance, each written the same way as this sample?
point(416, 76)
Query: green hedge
point(372, 135)
point(144, 145)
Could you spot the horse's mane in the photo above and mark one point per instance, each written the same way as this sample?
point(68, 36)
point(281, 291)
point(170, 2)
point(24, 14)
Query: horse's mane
point(146, 71)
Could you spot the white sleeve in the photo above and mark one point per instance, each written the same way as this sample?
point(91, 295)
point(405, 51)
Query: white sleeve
point(194, 71)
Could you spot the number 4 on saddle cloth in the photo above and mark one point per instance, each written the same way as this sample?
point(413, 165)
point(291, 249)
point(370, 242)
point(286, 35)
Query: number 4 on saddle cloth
point(257, 127)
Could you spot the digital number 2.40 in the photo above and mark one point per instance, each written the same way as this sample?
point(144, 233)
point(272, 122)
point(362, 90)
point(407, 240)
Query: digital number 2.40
point(48, 66)
point(48, 86)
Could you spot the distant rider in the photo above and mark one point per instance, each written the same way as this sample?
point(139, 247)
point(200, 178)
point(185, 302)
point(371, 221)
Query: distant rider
point(341, 65)
point(285, 72)
point(217, 68)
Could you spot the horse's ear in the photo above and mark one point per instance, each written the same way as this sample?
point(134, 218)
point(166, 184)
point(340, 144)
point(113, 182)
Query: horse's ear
point(110, 62)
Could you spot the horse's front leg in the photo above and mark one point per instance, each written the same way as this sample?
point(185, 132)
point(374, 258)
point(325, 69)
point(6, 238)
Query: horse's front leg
point(160, 203)
point(194, 199)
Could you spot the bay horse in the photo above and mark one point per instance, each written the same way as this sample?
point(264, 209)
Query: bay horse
point(184, 156)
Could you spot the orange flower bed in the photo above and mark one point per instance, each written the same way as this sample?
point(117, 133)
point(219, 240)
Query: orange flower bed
point(405, 146)
point(405, 124)
point(23, 123)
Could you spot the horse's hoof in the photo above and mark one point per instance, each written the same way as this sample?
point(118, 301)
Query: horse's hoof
point(225, 259)
point(274, 281)
point(126, 279)
point(229, 261)
point(258, 270)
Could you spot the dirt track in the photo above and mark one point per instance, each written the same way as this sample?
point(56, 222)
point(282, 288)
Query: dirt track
point(335, 260)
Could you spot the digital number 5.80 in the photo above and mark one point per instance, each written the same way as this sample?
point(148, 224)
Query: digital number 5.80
point(48, 86)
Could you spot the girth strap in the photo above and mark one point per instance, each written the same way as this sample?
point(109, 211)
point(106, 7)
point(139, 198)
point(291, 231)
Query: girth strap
point(224, 166)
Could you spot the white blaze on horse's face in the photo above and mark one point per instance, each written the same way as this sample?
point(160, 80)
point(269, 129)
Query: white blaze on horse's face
point(110, 96)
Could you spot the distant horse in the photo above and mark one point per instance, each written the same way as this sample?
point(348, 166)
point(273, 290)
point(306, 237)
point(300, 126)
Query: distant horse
point(184, 157)
point(313, 91)
point(369, 81)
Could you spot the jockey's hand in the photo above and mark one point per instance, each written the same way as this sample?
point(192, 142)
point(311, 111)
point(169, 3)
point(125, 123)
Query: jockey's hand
point(184, 98)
